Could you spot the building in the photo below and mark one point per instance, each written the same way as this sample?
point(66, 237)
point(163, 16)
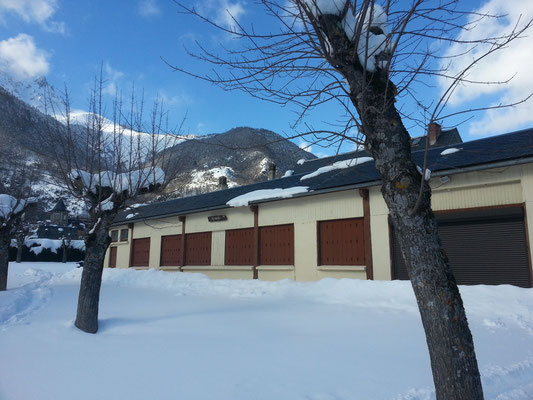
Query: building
point(328, 219)
point(59, 214)
point(61, 226)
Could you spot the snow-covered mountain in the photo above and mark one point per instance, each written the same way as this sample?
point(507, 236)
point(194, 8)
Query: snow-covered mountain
point(32, 91)
point(242, 155)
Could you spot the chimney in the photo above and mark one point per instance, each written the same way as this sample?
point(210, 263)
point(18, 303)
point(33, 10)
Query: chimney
point(434, 131)
point(271, 171)
point(222, 183)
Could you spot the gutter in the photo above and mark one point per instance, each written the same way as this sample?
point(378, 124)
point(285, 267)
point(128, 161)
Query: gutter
point(362, 185)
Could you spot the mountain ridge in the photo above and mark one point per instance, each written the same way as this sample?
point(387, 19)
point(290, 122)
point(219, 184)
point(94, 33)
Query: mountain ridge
point(242, 154)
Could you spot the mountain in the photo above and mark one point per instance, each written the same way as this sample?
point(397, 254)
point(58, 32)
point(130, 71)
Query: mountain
point(242, 155)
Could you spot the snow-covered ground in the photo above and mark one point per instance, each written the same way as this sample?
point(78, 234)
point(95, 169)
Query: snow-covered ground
point(184, 336)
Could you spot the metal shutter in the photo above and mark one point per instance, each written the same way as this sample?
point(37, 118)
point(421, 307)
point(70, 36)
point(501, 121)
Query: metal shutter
point(483, 246)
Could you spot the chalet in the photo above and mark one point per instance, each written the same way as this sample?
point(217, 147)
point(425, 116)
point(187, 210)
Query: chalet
point(328, 219)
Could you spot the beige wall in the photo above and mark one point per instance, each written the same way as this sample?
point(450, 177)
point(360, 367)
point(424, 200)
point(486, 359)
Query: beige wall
point(123, 249)
point(512, 185)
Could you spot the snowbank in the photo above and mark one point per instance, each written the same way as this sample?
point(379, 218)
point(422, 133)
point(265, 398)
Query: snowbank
point(183, 336)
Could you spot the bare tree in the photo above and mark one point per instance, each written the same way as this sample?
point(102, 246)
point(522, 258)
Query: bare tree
point(108, 164)
point(374, 61)
point(17, 177)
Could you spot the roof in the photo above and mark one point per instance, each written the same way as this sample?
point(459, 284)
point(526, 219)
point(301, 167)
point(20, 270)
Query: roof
point(59, 207)
point(446, 138)
point(482, 153)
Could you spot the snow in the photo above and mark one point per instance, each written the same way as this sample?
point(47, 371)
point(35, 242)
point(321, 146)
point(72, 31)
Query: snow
point(38, 245)
point(265, 194)
point(369, 45)
point(107, 204)
point(325, 7)
point(451, 150)
point(129, 216)
point(131, 180)
point(338, 165)
point(201, 178)
point(93, 229)
point(288, 173)
point(427, 175)
point(300, 161)
point(10, 205)
point(183, 336)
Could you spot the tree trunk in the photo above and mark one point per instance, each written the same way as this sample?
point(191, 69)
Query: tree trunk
point(451, 347)
point(96, 245)
point(64, 254)
point(5, 240)
point(20, 244)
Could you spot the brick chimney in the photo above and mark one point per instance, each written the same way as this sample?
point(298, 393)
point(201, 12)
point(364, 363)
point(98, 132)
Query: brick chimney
point(434, 131)
point(271, 171)
point(222, 183)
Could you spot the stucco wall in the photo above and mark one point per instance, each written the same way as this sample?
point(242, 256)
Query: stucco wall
point(123, 249)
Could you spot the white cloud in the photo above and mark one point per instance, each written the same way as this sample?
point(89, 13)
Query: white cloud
point(229, 12)
point(39, 11)
point(112, 78)
point(306, 146)
point(514, 60)
point(175, 100)
point(223, 12)
point(20, 57)
point(148, 8)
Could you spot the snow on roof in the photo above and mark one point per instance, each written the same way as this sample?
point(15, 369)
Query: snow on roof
point(338, 165)
point(265, 194)
point(451, 150)
point(300, 161)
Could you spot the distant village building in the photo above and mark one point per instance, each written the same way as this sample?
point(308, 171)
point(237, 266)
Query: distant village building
point(61, 226)
point(59, 214)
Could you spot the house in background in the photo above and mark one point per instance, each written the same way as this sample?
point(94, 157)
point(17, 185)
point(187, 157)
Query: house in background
point(59, 214)
point(61, 226)
point(328, 219)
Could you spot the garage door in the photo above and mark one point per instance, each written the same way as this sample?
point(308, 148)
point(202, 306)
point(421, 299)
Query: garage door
point(484, 247)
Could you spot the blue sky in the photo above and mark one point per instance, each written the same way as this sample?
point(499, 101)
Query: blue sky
point(68, 40)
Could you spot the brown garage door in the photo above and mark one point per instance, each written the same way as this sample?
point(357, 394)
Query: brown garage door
point(140, 252)
point(483, 247)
